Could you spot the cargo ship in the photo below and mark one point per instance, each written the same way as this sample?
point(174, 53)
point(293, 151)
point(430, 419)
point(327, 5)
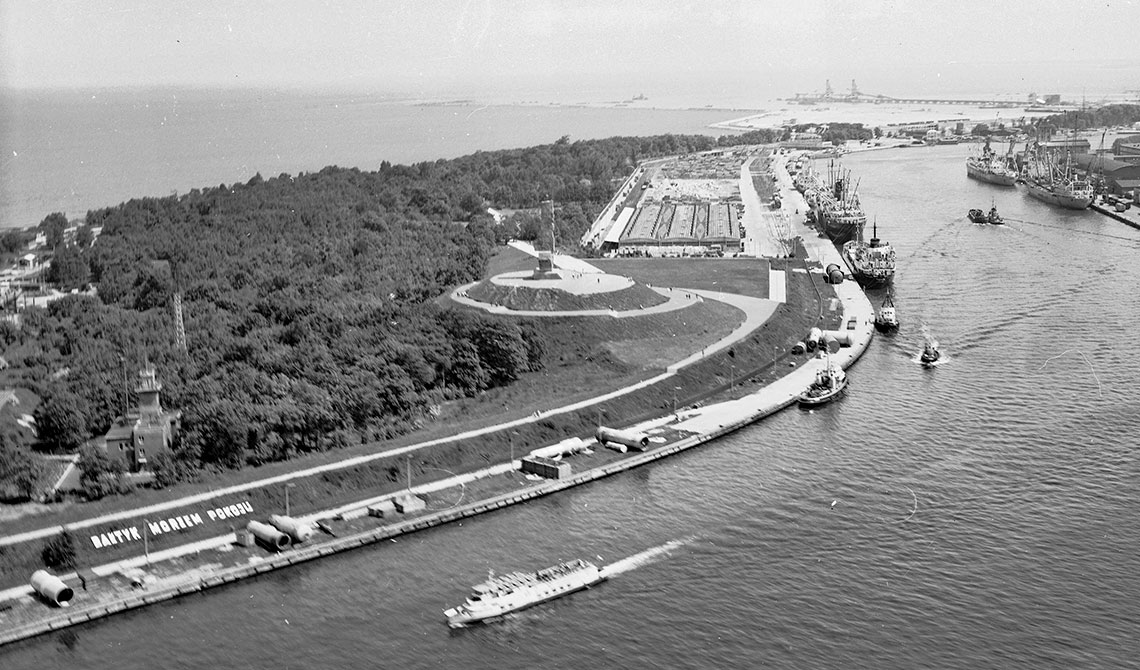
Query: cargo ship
point(835, 207)
point(872, 264)
point(515, 591)
point(991, 168)
point(1053, 182)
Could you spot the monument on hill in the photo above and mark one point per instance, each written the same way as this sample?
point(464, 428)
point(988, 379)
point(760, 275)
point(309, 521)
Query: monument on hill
point(545, 269)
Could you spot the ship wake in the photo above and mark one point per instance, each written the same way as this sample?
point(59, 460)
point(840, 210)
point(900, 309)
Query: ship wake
point(644, 558)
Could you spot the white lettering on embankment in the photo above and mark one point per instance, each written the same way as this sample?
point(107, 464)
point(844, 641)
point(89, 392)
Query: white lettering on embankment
point(118, 536)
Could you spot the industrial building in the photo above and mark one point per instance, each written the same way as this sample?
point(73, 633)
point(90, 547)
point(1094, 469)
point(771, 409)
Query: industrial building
point(1120, 178)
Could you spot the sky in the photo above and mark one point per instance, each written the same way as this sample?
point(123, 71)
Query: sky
point(441, 48)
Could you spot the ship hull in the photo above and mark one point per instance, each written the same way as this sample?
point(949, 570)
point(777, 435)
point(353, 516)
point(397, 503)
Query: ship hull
point(990, 177)
point(840, 232)
point(1045, 195)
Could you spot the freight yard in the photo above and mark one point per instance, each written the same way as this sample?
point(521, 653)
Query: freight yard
point(714, 203)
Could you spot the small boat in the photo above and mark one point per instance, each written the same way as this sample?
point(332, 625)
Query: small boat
point(886, 320)
point(517, 590)
point(930, 355)
point(978, 216)
point(993, 217)
point(829, 383)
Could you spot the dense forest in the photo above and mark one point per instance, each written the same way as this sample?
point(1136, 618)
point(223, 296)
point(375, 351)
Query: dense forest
point(309, 301)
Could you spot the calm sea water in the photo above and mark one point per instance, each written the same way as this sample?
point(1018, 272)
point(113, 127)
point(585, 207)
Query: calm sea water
point(76, 151)
point(979, 515)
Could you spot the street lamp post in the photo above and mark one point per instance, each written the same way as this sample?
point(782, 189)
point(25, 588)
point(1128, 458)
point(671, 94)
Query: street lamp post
point(731, 377)
point(146, 542)
point(287, 487)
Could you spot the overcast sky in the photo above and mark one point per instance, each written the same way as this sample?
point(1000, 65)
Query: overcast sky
point(438, 48)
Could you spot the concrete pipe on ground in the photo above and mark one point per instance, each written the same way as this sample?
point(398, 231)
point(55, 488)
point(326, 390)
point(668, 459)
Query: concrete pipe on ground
point(799, 348)
point(269, 536)
point(639, 441)
point(298, 531)
point(834, 274)
point(566, 447)
point(52, 588)
point(813, 339)
point(843, 337)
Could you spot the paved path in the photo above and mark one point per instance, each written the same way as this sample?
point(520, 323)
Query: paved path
point(760, 236)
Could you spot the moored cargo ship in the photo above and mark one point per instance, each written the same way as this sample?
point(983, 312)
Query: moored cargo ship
point(991, 168)
point(1053, 182)
point(872, 264)
point(1074, 195)
point(840, 212)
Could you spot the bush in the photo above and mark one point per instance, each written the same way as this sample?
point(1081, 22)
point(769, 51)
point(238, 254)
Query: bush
point(100, 475)
point(59, 552)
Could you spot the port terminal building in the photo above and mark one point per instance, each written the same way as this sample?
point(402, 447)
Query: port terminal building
point(1120, 177)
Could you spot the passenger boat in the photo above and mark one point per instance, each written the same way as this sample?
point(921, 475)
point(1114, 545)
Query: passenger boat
point(930, 354)
point(829, 383)
point(515, 591)
point(886, 320)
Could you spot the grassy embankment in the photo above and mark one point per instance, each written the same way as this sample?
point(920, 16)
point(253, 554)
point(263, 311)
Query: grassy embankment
point(586, 357)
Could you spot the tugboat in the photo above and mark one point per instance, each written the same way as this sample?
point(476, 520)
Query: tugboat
point(829, 383)
point(930, 354)
point(886, 320)
point(993, 217)
point(511, 592)
point(978, 216)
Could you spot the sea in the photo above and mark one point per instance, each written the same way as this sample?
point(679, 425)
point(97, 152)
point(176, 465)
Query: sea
point(981, 514)
point(73, 151)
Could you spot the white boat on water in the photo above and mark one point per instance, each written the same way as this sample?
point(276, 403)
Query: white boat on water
point(515, 591)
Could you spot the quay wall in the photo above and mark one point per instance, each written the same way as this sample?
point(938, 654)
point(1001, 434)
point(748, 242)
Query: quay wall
point(1134, 221)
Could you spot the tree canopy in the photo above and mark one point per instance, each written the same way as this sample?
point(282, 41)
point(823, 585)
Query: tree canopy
point(309, 300)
